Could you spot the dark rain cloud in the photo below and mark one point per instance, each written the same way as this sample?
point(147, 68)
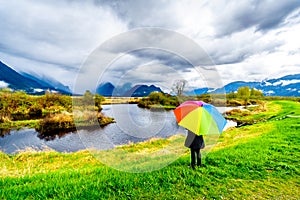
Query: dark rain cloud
point(150, 13)
point(264, 15)
point(163, 57)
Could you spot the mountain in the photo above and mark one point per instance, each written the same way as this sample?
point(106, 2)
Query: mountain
point(141, 91)
point(105, 89)
point(15, 80)
point(108, 89)
point(233, 87)
point(48, 82)
point(29, 83)
point(285, 86)
point(200, 91)
point(120, 90)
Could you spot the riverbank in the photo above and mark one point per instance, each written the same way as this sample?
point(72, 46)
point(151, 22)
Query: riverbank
point(255, 161)
point(58, 123)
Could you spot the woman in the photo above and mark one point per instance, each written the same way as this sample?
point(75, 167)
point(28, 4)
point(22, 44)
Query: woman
point(195, 143)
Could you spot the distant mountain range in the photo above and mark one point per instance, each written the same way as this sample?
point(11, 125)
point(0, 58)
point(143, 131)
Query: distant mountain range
point(285, 86)
point(108, 89)
point(31, 84)
point(34, 84)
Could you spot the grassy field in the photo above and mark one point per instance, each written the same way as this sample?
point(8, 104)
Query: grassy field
point(259, 161)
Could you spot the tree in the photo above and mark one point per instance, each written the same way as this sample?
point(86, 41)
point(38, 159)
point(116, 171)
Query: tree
point(178, 86)
point(98, 101)
point(256, 93)
point(88, 98)
point(244, 93)
point(231, 95)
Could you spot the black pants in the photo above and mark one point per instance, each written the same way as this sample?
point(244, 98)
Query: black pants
point(195, 153)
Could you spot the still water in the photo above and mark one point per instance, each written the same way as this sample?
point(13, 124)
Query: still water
point(133, 124)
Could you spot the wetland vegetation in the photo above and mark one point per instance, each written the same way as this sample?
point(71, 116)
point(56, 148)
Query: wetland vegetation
point(259, 161)
point(50, 112)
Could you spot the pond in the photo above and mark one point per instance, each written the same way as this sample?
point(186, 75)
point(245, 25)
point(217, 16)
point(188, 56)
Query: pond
point(133, 124)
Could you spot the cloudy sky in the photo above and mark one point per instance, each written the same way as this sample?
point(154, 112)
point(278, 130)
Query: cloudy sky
point(246, 40)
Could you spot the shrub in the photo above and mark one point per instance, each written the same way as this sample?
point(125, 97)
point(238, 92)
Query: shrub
point(53, 123)
point(158, 98)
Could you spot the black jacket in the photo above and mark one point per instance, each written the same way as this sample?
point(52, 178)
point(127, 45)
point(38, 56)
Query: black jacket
point(194, 141)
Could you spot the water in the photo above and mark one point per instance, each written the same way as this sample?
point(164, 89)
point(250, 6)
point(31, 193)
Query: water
point(133, 124)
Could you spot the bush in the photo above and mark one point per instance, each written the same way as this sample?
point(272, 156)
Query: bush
point(4, 118)
point(53, 123)
point(158, 98)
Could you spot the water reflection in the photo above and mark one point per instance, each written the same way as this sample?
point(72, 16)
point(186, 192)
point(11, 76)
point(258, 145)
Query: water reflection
point(62, 133)
point(4, 132)
point(48, 137)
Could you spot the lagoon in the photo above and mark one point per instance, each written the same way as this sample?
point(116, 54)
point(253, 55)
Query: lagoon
point(133, 124)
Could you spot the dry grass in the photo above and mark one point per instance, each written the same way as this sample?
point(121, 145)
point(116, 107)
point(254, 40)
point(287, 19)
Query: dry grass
point(121, 100)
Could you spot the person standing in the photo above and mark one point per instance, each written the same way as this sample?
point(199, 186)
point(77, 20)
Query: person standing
point(195, 143)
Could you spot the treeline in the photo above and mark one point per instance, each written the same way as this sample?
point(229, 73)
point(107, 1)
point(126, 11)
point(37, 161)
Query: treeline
point(248, 95)
point(244, 96)
point(158, 99)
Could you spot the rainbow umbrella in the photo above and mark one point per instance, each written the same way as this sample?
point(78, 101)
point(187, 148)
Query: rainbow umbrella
point(199, 117)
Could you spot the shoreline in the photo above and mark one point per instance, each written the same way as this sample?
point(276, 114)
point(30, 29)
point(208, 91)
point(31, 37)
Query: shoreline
point(230, 123)
point(45, 148)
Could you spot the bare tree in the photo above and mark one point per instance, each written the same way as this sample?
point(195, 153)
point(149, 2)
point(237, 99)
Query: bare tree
point(178, 86)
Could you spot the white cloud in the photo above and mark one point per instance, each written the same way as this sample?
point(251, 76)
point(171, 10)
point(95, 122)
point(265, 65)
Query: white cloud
point(285, 82)
point(59, 33)
point(247, 40)
point(3, 84)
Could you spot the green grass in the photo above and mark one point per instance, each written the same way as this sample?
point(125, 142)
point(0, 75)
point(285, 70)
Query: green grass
point(259, 161)
point(162, 107)
point(33, 123)
point(264, 111)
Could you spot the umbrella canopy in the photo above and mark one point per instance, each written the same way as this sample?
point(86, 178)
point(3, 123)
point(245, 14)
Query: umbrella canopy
point(199, 117)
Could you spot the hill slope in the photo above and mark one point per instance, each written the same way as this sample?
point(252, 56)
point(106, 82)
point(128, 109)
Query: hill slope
point(29, 83)
point(15, 80)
